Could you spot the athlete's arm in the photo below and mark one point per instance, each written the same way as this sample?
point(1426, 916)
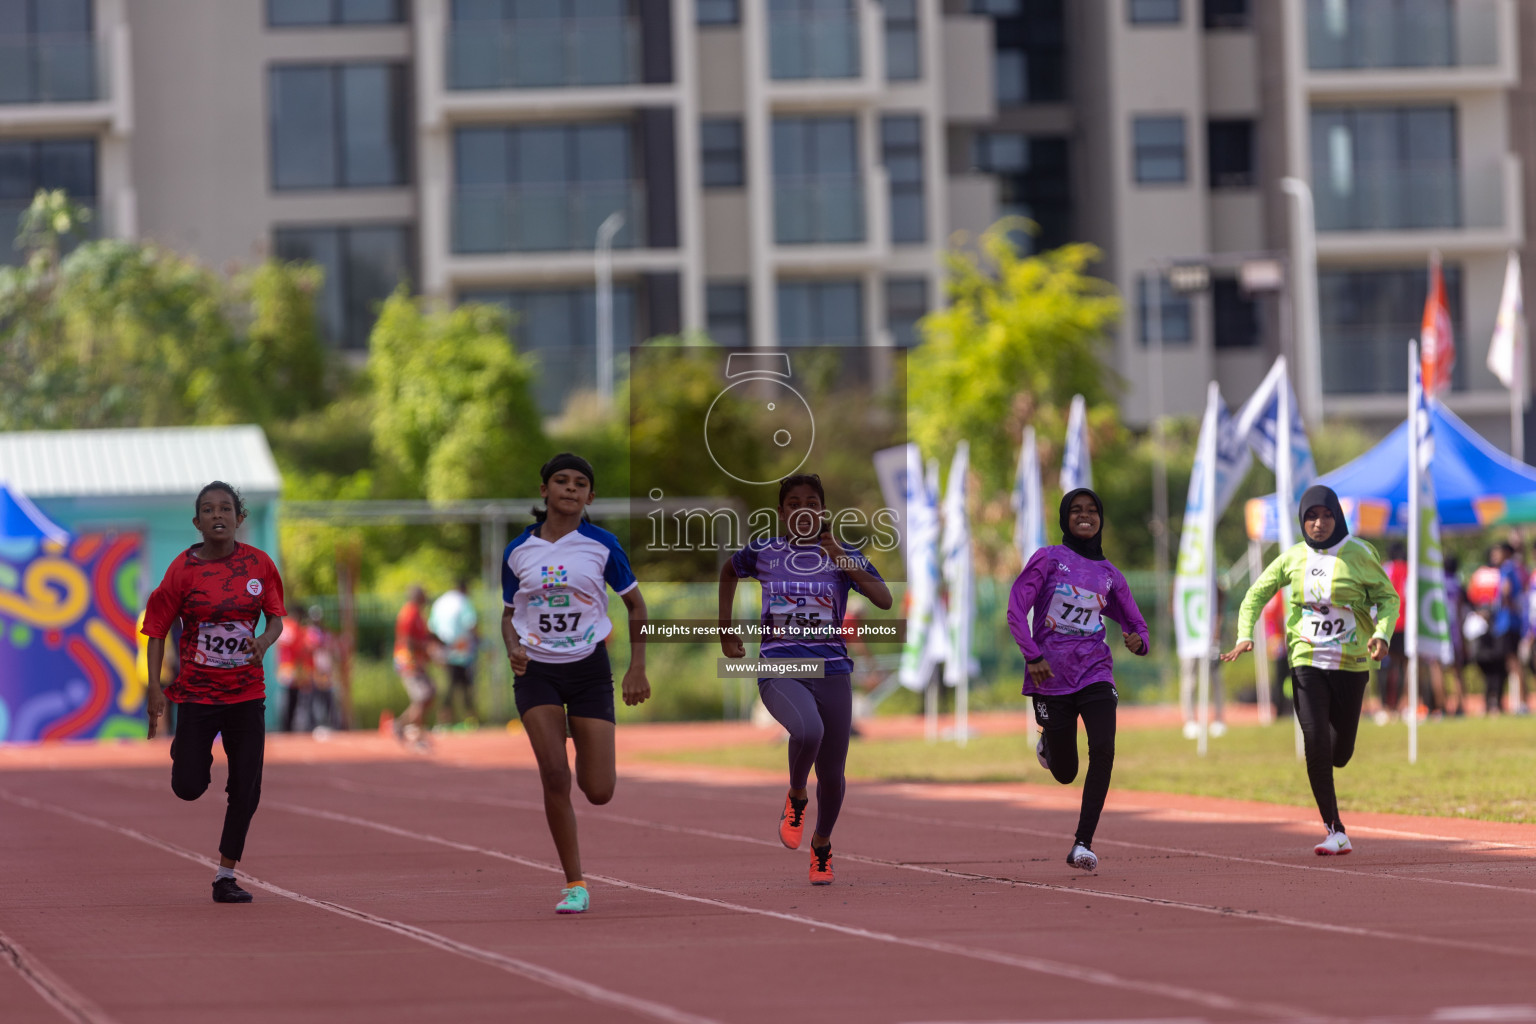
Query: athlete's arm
point(1021, 600)
point(516, 654)
point(267, 639)
point(1380, 592)
point(1124, 610)
point(867, 583)
point(730, 642)
point(1264, 588)
point(636, 687)
point(154, 697)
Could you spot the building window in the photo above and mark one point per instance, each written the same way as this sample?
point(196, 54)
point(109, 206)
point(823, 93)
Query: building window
point(1154, 12)
point(362, 265)
point(818, 194)
point(729, 314)
point(559, 327)
point(1386, 168)
point(47, 52)
point(1178, 326)
point(1227, 14)
point(1030, 64)
point(813, 39)
point(1160, 157)
point(1234, 315)
point(724, 166)
point(901, 143)
point(339, 126)
point(1033, 182)
point(1229, 152)
point(821, 313)
point(544, 187)
point(903, 58)
point(906, 302)
point(1367, 317)
point(1398, 34)
point(47, 164)
point(718, 12)
point(285, 13)
point(543, 44)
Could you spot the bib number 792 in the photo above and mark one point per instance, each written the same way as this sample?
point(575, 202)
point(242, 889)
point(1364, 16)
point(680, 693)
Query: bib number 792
point(1327, 628)
point(559, 622)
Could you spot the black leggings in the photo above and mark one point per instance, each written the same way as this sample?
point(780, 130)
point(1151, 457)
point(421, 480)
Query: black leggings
point(244, 729)
point(1328, 708)
point(1057, 717)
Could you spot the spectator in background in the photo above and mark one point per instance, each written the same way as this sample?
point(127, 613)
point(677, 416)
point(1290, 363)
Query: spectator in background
point(1390, 676)
point(455, 622)
point(1274, 629)
point(324, 657)
point(413, 642)
point(1509, 617)
point(1456, 614)
point(295, 666)
point(1484, 646)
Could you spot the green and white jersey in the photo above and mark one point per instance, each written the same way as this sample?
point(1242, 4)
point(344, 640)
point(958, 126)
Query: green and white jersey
point(1340, 598)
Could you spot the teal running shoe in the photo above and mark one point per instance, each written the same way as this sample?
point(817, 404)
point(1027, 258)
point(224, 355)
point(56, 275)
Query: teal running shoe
point(574, 900)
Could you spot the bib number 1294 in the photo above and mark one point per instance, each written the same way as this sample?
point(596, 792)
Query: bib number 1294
point(224, 644)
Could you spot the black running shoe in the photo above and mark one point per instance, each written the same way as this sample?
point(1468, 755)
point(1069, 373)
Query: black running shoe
point(227, 890)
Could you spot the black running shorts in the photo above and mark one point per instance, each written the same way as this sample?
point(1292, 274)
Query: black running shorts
point(584, 688)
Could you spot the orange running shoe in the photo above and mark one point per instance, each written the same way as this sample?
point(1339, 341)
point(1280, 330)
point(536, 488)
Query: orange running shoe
point(821, 865)
point(792, 821)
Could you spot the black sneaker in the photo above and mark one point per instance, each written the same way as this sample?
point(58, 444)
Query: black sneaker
point(227, 890)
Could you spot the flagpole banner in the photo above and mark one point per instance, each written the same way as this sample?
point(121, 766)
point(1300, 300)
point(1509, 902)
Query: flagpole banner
point(68, 644)
point(1076, 463)
point(1192, 583)
point(1506, 332)
point(959, 572)
point(1438, 356)
point(1028, 500)
point(1434, 627)
point(892, 467)
point(921, 542)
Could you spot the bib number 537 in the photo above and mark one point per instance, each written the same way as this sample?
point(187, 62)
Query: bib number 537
point(559, 622)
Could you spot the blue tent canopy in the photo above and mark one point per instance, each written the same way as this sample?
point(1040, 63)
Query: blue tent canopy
point(21, 520)
point(1476, 485)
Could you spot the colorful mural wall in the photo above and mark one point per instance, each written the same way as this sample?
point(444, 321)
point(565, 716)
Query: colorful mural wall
point(68, 644)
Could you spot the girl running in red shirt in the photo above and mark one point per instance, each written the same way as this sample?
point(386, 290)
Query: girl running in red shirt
point(219, 589)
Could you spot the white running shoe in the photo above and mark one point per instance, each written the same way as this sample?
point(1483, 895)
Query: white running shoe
point(1082, 858)
point(1041, 755)
point(1336, 845)
point(1191, 730)
point(1218, 729)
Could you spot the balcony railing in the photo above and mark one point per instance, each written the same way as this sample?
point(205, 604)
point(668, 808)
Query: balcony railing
point(11, 211)
point(824, 45)
point(1435, 197)
point(545, 218)
point(1372, 359)
point(818, 210)
point(543, 53)
point(49, 69)
point(1385, 34)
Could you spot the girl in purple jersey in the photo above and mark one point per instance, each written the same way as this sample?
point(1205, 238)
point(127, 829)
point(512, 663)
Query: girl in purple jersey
point(805, 576)
point(1070, 589)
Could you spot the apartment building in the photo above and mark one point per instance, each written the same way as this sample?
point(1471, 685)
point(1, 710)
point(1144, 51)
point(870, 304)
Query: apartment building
point(772, 171)
point(1161, 130)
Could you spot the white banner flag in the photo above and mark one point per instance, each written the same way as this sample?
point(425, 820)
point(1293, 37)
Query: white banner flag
point(1028, 500)
point(1259, 423)
point(1434, 629)
point(920, 545)
point(1076, 464)
point(1505, 351)
point(1194, 584)
point(959, 574)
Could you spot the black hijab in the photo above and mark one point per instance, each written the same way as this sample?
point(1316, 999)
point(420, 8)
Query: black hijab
point(1318, 494)
point(1091, 547)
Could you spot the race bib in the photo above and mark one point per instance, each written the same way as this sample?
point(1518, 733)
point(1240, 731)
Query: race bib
point(559, 623)
point(224, 644)
point(1075, 611)
point(1327, 625)
point(799, 617)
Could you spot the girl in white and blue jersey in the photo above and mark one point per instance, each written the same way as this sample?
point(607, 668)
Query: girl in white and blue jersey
point(805, 575)
point(554, 582)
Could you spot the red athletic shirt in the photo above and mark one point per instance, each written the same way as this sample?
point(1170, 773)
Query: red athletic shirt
point(219, 603)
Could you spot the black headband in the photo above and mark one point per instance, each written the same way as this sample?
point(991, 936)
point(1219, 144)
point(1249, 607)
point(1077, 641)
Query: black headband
point(565, 460)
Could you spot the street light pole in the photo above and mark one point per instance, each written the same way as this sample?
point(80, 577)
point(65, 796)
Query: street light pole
point(1159, 454)
point(605, 232)
point(1309, 344)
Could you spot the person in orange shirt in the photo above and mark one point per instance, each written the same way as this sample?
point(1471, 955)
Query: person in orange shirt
point(413, 642)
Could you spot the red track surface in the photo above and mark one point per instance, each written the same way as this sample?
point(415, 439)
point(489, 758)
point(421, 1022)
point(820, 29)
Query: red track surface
point(393, 888)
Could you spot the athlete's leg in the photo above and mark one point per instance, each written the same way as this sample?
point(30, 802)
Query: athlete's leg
point(1099, 724)
point(545, 726)
point(1057, 719)
point(596, 774)
point(834, 701)
point(1348, 694)
point(1313, 711)
point(244, 730)
point(192, 749)
point(793, 706)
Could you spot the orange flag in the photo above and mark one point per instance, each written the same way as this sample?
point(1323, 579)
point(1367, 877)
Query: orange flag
point(1438, 341)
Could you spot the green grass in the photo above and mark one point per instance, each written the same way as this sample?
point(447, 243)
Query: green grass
point(1467, 768)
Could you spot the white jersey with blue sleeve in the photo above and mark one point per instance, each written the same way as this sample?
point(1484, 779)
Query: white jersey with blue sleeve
point(557, 591)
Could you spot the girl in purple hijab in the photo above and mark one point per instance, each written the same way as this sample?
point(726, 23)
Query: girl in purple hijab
point(1056, 614)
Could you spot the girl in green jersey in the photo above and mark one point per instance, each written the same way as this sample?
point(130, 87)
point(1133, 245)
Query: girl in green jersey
point(1341, 611)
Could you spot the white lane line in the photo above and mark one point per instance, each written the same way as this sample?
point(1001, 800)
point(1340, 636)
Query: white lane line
point(511, 965)
point(976, 876)
point(1038, 965)
point(55, 991)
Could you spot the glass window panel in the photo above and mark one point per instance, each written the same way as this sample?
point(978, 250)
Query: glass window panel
point(1160, 155)
point(795, 319)
point(378, 260)
point(730, 316)
point(303, 128)
point(723, 162)
point(298, 12)
point(15, 17)
point(370, 12)
point(1367, 317)
point(835, 145)
point(790, 150)
point(1229, 149)
point(602, 153)
point(1154, 12)
point(841, 313)
point(718, 12)
point(1177, 322)
point(18, 181)
point(321, 246)
point(69, 165)
point(541, 156)
point(476, 10)
point(1226, 14)
point(1234, 315)
point(61, 16)
point(480, 156)
point(371, 149)
point(906, 302)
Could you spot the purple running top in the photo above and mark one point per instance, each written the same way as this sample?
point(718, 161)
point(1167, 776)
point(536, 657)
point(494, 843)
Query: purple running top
point(1070, 597)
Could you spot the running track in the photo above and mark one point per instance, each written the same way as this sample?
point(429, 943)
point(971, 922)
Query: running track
point(392, 888)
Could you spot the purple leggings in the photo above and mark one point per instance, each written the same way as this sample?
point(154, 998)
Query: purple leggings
point(819, 716)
